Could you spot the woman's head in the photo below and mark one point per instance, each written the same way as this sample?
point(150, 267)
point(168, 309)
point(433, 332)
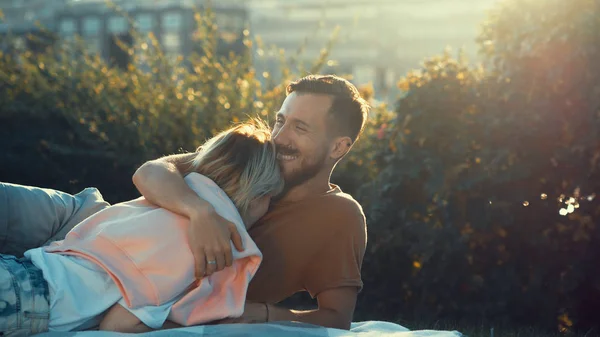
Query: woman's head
point(242, 161)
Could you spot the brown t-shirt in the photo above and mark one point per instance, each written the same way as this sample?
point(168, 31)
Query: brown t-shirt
point(310, 245)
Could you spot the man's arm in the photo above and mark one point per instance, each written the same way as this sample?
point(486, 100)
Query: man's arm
point(161, 182)
point(336, 309)
point(119, 319)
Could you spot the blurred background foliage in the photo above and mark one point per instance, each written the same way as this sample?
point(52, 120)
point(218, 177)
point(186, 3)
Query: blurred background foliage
point(478, 183)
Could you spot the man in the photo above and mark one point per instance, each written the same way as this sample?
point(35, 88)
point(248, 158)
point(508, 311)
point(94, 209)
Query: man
point(313, 238)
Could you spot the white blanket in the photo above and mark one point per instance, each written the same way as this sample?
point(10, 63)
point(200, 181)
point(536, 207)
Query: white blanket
point(362, 329)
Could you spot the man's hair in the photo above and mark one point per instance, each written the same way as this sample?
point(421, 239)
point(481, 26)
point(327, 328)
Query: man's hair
point(349, 111)
point(243, 162)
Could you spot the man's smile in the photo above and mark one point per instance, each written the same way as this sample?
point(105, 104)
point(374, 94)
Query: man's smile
point(286, 157)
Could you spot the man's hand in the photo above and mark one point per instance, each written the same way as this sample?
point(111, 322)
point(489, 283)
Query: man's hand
point(253, 313)
point(336, 309)
point(209, 238)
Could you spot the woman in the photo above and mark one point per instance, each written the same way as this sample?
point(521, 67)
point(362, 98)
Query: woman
point(133, 256)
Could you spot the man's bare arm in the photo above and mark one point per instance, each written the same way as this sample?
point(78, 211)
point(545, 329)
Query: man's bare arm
point(119, 319)
point(336, 309)
point(161, 182)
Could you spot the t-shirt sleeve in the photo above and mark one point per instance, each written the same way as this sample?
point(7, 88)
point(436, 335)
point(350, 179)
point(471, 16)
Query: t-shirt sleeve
point(338, 262)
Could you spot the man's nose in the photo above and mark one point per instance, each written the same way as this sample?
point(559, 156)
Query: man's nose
point(280, 136)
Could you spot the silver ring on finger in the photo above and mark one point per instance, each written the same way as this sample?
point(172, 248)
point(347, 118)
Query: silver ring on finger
point(212, 262)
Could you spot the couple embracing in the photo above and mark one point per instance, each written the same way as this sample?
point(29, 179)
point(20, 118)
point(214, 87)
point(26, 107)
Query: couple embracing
point(219, 235)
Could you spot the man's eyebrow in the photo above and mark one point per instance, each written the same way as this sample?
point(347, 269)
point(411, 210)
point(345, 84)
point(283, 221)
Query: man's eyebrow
point(296, 120)
point(299, 121)
point(302, 122)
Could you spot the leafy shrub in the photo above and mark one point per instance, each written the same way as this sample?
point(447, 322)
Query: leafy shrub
point(359, 167)
point(484, 209)
point(482, 204)
point(89, 124)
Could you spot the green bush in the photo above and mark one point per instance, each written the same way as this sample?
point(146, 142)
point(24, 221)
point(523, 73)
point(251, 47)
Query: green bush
point(479, 189)
point(359, 167)
point(484, 209)
point(87, 123)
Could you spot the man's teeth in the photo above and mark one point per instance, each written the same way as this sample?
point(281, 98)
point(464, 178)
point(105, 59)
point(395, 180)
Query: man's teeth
point(285, 157)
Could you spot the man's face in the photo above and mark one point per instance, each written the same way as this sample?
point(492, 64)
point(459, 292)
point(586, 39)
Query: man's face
point(300, 136)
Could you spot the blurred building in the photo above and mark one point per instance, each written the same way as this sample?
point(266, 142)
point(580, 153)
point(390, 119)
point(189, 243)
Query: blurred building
point(171, 21)
point(19, 14)
point(21, 18)
point(379, 40)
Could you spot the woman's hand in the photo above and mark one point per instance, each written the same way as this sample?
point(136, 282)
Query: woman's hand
point(161, 182)
point(209, 238)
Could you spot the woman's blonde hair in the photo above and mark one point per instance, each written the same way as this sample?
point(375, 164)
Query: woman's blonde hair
point(243, 162)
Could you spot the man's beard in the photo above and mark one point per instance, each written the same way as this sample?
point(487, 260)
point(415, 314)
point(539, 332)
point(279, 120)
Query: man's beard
point(304, 173)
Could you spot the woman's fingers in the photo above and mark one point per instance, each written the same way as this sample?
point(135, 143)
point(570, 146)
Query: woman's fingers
point(210, 239)
point(200, 259)
point(220, 259)
point(236, 238)
point(228, 256)
point(211, 262)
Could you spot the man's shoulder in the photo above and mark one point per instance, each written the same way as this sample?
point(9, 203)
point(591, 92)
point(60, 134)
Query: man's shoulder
point(344, 201)
point(340, 210)
point(330, 209)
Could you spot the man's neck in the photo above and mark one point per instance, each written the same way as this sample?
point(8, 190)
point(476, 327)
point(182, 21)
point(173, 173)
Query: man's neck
point(318, 185)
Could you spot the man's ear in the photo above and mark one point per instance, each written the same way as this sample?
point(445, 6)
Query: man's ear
point(339, 147)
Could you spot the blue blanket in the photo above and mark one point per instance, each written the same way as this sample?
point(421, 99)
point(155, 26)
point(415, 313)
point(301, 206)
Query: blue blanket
point(362, 329)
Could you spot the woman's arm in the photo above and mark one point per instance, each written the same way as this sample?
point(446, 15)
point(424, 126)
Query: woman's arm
point(161, 182)
point(119, 319)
